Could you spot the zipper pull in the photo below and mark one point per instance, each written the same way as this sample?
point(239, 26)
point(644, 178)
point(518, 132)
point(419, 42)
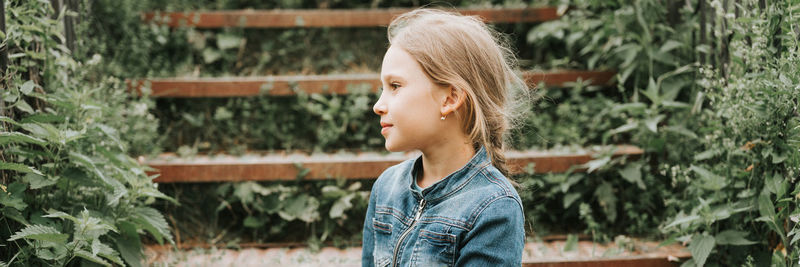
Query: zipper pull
point(419, 210)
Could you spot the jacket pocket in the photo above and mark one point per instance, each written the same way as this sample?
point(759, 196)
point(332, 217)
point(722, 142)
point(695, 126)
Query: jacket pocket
point(435, 249)
point(383, 242)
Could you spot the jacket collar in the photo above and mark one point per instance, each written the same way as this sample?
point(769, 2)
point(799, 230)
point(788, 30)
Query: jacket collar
point(449, 184)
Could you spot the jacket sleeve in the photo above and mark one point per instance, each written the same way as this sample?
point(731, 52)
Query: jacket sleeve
point(368, 242)
point(497, 237)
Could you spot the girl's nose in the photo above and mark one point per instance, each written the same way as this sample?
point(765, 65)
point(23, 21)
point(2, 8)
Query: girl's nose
point(380, 106)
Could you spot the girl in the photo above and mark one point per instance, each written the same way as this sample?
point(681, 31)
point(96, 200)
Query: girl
point(446, 80)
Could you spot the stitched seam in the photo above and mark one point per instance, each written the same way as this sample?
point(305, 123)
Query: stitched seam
point(395, 213)
point(436, 236)
point(383, 226)
point(494, 181)
point(472, 217)
point(446, 223)
point(463, 184)
point(499, 181)
point(446, 219)
point(483, 206)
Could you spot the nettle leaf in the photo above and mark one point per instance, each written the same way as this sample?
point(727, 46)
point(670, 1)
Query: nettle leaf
point(40, 232)
point(341, 205)
point(254, 222)
point(733, 237)
point(18, 167)
point(210, 55)
point(302, 207)
point(27, 87)
point(700, 247)
point(44, 130)
point(153, 222)
point(93, 258)
point(669, 45)
point(571, 244)
point(44, 118)
point(607, 200)
point(624, 128)
point(652, 123)
point(38, 181)
point(681, 219)
point(13, 196)
point(129, 244)
point(680, 130)
point(706, 154)
point(8, 120)
point(332, 191)
point(765, 206)
point(24, 106)
point(633, 174)
point(88, 228)
point(228, 41)
point(113, 197)
point(105, 251)
point(597, 163)
point(570, 198)
point(153, 192)
point(61, 215)
point(709, 180)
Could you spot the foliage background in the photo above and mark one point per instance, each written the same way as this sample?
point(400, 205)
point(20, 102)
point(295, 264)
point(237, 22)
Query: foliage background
point(71, 194)
point(707, 88)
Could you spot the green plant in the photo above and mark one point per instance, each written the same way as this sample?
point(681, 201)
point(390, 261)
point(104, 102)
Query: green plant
point(70, 192)
point(302, 211)
point(707, 88)
point(742, 193)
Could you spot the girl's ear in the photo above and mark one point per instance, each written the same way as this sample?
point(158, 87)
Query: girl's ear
point(454, 99)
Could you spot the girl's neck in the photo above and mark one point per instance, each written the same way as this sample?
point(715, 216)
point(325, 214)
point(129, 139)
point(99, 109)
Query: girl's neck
point(442, 160)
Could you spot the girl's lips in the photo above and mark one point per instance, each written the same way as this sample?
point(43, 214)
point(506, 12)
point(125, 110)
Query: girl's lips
point(385, 129)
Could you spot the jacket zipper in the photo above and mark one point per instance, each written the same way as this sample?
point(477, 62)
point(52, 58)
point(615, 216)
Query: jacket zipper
point(405, 234)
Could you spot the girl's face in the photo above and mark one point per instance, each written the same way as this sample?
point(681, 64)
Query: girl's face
point(410, 104)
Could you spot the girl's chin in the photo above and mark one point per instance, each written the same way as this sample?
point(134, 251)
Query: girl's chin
point(392, 147)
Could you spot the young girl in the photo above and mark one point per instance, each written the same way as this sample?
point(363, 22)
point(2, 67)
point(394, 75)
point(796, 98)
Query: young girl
point(446, 80)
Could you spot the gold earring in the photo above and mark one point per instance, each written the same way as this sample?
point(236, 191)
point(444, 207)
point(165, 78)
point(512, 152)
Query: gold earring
point(443, 117)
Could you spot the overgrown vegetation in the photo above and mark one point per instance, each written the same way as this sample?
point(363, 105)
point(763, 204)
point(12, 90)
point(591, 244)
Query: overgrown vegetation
point(70, 194)
point(707, 88)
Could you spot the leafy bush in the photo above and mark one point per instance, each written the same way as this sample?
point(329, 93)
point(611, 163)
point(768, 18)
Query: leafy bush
point(70, 192)
point(708, 89)
point(307, 211)
point(741, 198)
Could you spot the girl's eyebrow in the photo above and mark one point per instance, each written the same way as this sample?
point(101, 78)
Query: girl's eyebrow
point(388, 77)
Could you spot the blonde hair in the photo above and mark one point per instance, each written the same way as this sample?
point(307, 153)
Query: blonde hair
point(463, 52)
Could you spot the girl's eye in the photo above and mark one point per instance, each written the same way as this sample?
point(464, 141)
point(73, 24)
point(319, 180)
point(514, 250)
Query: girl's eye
point(394, 85)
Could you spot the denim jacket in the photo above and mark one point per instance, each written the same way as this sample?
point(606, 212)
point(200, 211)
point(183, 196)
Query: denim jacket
point(473, 217)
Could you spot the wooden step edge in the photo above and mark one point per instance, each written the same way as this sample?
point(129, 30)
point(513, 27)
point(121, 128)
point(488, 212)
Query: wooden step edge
point(639, 261)
point(287, 167)
point(265, 245)
point(315, 18)
point(536, 254)
point(323, 84)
